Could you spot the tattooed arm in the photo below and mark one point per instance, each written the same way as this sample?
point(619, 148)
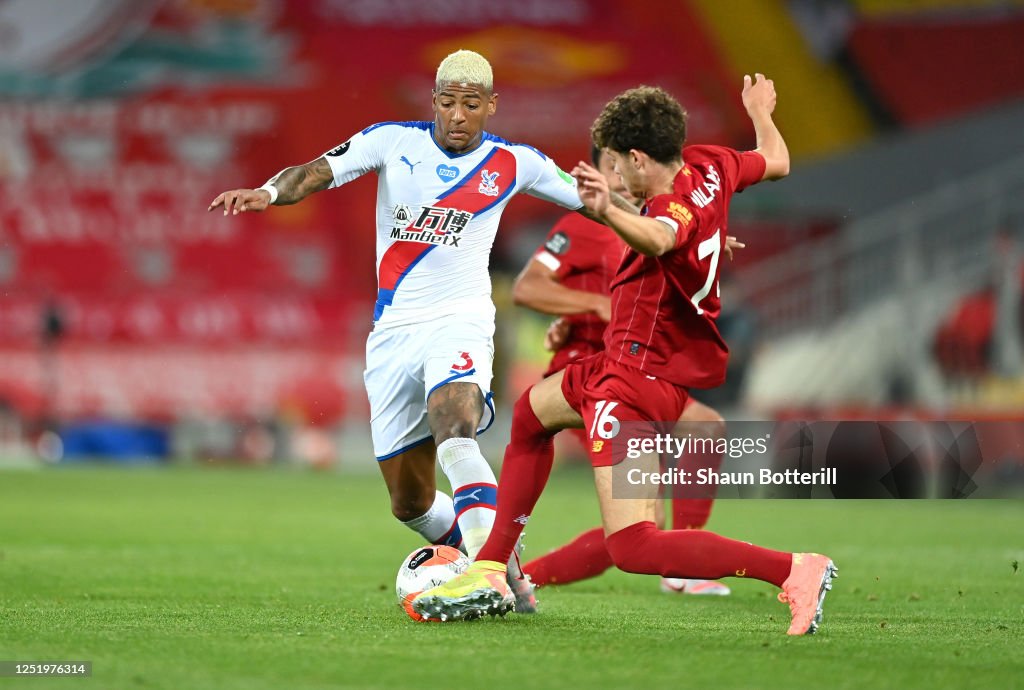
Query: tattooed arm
point(293, 185)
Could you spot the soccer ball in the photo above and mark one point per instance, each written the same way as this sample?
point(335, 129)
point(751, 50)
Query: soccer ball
point(426, 568)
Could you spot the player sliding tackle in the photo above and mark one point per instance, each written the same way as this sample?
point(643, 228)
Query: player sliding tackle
point(570, 276)
point(661, 340)
point(443, 185)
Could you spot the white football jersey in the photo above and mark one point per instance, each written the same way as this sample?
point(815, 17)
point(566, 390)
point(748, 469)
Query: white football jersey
point(438, 213)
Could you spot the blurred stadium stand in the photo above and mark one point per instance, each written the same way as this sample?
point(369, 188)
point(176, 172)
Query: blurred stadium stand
point(877, 275)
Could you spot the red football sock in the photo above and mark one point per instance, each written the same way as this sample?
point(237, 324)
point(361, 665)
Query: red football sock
point(691, 513)
point(583, 557)
point(524, 472)
point(643, 548)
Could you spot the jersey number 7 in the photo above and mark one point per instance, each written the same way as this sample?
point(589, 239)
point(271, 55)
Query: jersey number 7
point(711, 246)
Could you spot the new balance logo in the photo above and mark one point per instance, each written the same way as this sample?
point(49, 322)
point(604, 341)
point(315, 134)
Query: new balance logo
point(522, 519)
point(475, 495)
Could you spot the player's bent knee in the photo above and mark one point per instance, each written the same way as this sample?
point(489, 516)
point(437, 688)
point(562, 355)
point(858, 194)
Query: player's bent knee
point(406, 508)
point(714, 428)
point(631, 548)
point(454, 429)
point(454, 411)
point(705, 422)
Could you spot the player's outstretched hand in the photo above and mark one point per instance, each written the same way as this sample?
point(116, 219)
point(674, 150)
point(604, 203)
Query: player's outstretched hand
point(557, 335)
point(732, 243)
point(241, 200)
point(593, 188)
point(758, 93)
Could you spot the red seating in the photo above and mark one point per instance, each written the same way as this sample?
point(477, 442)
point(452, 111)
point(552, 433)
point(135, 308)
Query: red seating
point(925, 69)
point(963, 341)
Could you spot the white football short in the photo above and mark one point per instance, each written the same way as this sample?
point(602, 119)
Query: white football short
point(405, 364)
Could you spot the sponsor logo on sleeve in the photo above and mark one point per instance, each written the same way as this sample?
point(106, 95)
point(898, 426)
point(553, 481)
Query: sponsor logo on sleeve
point(680, 213)
point(340, 150)
point(569, 179)
point(557, 244)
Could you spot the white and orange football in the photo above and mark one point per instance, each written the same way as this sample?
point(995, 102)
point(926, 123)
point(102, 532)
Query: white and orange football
point(426, 568)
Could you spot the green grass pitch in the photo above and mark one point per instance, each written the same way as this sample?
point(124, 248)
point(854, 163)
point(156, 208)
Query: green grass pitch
point(273, 579)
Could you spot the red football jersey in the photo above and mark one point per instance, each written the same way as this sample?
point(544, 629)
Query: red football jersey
point(584, 255)
point(664, 308)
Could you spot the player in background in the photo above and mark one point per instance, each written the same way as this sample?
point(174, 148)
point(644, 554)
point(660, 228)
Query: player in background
point(661, 341)
point(442, 186)
point(570, 276)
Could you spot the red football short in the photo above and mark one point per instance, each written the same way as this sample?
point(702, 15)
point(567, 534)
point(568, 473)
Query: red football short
point(619, 403)
point(572, 351)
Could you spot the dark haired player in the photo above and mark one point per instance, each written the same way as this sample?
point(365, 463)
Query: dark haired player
point(570, 276)
point(662, 339)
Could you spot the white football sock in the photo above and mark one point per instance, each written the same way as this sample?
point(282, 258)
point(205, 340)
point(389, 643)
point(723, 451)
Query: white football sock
point(474, 490)
point(438, 525)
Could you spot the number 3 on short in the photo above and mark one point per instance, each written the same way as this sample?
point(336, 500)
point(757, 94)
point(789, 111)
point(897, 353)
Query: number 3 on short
point(712, 246)
point(604, 424)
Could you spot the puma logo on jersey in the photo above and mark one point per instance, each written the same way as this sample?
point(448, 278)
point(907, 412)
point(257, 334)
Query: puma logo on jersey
point(411, 165)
